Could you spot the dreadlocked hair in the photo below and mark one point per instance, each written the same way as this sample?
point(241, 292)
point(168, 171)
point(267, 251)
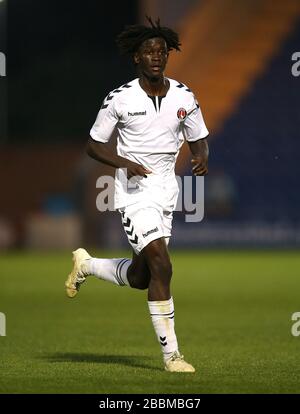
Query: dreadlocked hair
point(133, 36)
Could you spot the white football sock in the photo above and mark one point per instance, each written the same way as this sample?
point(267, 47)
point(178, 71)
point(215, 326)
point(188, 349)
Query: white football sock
point(111, 270)
point(162, 315)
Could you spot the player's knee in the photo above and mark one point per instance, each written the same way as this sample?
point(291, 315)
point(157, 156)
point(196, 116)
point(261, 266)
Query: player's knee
point(138, 282)
point(142, 284)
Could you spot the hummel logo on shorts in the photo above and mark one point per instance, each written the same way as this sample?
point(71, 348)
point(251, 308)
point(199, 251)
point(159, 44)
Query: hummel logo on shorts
point(150, 232)
point(136, 113)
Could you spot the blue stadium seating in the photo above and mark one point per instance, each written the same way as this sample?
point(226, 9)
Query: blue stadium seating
point(259, 146)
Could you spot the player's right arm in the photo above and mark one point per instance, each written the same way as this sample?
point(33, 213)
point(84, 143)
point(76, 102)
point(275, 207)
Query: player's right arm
point(101, 152)
point(101, 133)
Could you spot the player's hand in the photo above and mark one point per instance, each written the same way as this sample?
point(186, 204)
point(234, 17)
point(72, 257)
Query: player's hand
point(134, 169)
point(200, 165)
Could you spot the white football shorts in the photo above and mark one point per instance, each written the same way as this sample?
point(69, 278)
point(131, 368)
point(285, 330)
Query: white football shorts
point(144, 223)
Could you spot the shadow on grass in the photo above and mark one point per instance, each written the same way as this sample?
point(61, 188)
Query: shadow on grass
point(127, 360)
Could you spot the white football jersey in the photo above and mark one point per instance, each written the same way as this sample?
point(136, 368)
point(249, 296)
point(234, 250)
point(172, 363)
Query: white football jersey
point(151, 130)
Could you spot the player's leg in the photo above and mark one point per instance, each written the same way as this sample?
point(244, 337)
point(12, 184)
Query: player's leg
point(111, 270)
point(157, 258)
point(122, 271)
point(161, 305)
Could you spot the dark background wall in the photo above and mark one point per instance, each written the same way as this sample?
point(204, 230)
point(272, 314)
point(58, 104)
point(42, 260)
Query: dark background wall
point(62, 62)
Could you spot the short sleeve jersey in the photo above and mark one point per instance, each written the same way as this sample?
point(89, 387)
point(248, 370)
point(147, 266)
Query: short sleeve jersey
point(149, 126)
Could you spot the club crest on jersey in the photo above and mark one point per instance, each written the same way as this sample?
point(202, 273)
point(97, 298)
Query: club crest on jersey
point(181, 114)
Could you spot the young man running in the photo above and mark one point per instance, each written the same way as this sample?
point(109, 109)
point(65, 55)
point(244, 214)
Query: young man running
point(153, 116)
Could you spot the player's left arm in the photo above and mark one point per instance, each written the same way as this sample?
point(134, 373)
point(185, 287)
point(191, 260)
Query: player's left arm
point(200, 153)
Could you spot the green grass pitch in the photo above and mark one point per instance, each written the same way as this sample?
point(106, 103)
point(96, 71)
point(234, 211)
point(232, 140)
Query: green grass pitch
point(233, 322)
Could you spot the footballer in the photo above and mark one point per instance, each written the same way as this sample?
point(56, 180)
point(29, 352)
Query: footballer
point(153, 116)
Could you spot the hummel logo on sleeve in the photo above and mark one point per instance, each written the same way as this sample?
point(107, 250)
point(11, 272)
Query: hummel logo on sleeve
point(137, 113)
point(150, 232)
